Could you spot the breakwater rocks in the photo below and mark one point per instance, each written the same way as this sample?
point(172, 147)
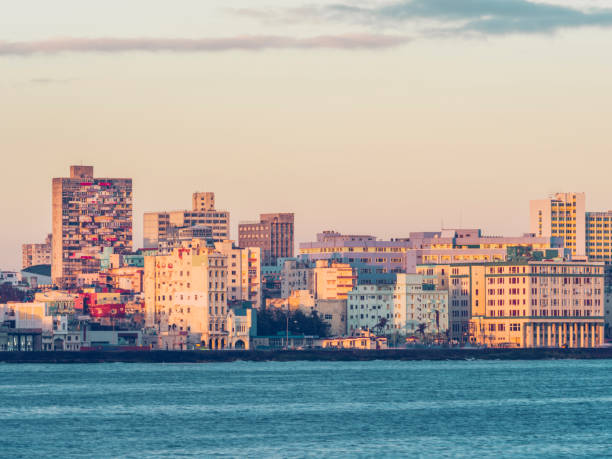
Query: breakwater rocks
point(292, 355)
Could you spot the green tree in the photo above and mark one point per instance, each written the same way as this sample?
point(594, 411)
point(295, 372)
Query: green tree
point(10, 293)
point(274, 321)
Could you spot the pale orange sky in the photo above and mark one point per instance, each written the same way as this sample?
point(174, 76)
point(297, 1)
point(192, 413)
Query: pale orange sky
point(382, 140)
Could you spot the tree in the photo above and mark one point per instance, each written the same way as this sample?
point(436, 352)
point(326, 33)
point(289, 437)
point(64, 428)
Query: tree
point(10, 293)
point(380, 326)
point(274, 321)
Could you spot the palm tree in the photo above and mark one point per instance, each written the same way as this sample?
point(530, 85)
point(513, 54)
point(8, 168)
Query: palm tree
point(380, 326)
point(421, 330)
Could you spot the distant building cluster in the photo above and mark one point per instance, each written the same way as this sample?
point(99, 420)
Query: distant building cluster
point(191, 287)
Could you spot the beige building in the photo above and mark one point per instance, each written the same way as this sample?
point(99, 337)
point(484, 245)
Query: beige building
point(243, 272)
point(362, 340)
point(88, 214)
point(57, 301)
point(333, 280)
point(160, 225)
point(126, 278)
point(36, 254)
point(548, 303)
point(186, 297)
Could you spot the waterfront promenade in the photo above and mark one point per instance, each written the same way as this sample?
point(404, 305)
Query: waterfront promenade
point(296, 355)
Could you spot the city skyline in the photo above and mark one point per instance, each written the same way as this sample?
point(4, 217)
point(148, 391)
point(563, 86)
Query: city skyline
point(522, 225)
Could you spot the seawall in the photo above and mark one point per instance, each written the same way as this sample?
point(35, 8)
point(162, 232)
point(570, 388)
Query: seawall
point(312, 355)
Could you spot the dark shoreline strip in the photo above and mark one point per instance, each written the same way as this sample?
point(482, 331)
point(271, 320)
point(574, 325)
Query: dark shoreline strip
point(311, 355)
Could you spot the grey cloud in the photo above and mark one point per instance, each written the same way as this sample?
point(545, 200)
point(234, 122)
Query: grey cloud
point(498, 16)
point(488, 17)
point(247, 43)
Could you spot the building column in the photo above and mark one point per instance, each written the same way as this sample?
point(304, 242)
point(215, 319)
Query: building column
point(549, 331)
point(530, 338)
point(591, 337)
point(600, 341)
point(571, 335)
point(538, 328)
point(581, 326)
point(576, 342)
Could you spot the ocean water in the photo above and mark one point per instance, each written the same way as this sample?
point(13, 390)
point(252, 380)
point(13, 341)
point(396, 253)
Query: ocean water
point(308, 409)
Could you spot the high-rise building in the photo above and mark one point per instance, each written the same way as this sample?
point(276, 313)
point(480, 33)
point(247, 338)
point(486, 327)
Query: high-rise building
point(273, 234)
point(562, 215)
point(88, 214)
point(36, 254)
point(160, 225)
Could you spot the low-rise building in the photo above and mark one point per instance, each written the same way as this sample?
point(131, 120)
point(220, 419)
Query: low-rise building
point(362, 340)
point(10, 277)
point(37, 276)
point(22, 326)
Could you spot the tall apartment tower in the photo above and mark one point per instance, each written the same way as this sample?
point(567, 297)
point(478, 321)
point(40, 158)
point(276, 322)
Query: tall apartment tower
point(160, 225)
point(36, 254)
point(562, 215)
point(273, 234)
point(88, 214)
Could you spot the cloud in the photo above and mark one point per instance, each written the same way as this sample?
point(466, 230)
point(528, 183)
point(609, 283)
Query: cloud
point(457, 17)
point(43, 81)
point(496, 17)
point(245, 43)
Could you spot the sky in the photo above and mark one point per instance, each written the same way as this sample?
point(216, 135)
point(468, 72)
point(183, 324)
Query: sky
point(373, 117)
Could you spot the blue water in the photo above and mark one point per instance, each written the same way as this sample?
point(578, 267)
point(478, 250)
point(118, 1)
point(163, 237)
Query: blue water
point(308, 409)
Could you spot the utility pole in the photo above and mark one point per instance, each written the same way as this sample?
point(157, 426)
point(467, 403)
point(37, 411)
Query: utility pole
point(287, 340)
